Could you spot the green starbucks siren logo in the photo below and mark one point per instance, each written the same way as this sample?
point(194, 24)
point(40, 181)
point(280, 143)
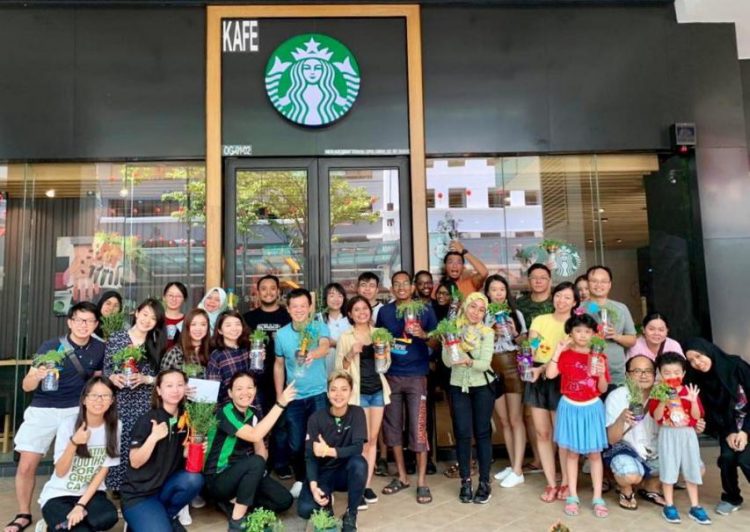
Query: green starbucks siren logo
point(312, 79)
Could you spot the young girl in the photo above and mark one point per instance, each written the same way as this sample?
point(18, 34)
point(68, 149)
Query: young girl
point(334, 316)
point(175, 294)
point(85, 448)
point(214, 303)
point(677, 417)
point(193, 344)
point(133, 397)
point(231, 341)
point(236, 459)
point(156, 484)
point(580, 426)
point(355, 354)
point(509, 407)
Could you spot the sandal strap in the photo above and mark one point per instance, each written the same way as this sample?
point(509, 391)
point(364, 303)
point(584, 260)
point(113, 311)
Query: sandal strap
point(598, 502)
point(572, 499)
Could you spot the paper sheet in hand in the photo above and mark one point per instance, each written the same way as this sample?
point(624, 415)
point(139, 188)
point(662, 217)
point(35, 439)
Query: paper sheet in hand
point(205, 391)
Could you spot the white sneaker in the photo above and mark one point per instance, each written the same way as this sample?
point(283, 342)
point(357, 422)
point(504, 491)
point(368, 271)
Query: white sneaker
point(184, 516)
point(198, 502)
point(41, 526)
point(512, 480)
point(296, 489)
point(501, 475)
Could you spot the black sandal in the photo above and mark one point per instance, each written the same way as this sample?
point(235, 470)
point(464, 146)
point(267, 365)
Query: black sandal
point(651, 496)
point(394, 486)
point(424, 496)
point(627, 502)
point(18, 526)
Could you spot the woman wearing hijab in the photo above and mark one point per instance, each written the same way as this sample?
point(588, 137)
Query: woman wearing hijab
point(724, 381)
point(214, 303)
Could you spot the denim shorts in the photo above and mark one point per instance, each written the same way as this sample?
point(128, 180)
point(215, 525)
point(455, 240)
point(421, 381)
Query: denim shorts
point(372, 400)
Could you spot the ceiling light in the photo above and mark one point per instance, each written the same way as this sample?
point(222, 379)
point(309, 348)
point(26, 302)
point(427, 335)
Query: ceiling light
point(123, 192)
point(50, 193)
point(601, 210)
point(619, 240)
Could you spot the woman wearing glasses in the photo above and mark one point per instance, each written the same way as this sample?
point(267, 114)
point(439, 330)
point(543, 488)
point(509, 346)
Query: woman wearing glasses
point(85, 448)
point(175, 294)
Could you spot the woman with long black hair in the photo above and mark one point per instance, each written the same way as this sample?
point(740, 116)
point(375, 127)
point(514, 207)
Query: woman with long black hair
point(85, 448)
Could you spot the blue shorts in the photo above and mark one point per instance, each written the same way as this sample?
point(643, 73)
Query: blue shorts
point(372, 400)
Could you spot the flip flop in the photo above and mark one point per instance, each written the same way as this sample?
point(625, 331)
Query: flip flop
point(394, 486)
point(424, 496)
point(651, 496)
point(18, 526)
point(627, 502)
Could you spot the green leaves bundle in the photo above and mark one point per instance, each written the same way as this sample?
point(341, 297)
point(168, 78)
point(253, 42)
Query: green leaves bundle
point(201, 417)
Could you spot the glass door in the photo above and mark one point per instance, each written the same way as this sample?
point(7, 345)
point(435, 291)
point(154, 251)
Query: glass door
point(313, 221)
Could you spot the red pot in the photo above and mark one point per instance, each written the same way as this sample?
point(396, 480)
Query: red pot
point(195, 458)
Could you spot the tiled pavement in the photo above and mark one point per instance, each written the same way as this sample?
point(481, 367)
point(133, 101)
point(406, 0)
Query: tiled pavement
point(517, 509)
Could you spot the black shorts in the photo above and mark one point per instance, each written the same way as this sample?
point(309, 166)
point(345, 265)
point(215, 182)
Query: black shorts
point(544, 393)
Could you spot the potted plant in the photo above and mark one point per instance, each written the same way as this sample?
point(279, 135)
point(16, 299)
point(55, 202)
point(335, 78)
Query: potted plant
point(455, 304)
point(201, 420)
point(322, 521)
point(113, 323)
point(306, 338)
point(525, 361)
point(257, 349)
point(450, 334)
point(660, 392)
point(410, 311)
point(51, 360)
point(126, 360)
point(381, 338)
point(262, 520)
point(192, 370)
point(501, 313)
point(595, 357)
point(635, 399)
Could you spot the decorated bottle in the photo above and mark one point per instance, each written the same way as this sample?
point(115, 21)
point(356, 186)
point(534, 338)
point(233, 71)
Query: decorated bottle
point(257, 350)
point(51, 383)
point(525, 362)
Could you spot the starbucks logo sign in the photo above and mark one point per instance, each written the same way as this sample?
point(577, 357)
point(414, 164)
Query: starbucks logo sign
point(312, 79)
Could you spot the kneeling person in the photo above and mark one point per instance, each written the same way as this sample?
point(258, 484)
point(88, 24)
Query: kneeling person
point(334, 442)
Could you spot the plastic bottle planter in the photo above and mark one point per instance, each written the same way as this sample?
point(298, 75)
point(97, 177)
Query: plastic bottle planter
point(51, 382)
point(300, 357)
point(128, 370)
point(504, 341)
point(595, 361)
point(195, 454)
point(525, 363)
point(453, 308)
point(604, 316)
point(638, 411)
point(410, 321)
point(451, 343)
point(677, 414)
point(257, 351)
point(381, 363)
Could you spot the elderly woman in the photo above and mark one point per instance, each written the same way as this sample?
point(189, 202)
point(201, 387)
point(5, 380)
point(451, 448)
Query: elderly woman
point(655, 339)
point(724, 381)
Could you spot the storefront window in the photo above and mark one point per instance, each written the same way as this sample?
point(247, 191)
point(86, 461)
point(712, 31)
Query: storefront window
point(69, 232)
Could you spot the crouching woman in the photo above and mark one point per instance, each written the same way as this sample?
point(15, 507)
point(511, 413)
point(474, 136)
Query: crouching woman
point(156, 485)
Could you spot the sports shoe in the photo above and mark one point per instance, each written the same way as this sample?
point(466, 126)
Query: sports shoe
point(465, 494)
point(512, 480)
point(671, 515)
point(500, 475)
point(362, 506)
point(41, 526)
point(177, 526)
point(699, 515)
point(184, 516)
point(370, 496)
point(284, 472)
point(296, 489)
point(726, 508)
point(483, 494)
point(198, 502)
point(348, 522)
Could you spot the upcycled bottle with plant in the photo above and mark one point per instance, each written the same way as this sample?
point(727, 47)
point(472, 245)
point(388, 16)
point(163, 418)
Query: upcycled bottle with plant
point(596, 357)
point(322, 521)
point(673, 411)
point(113, 323)
point(381, 339)
point(257, 349)
point(201, 419)
point(455, 304)
point(410, 312)
point(305, 341)
point(262, 520)
point(450, 334)
point(635, 399)
point(52, 361)
point(525, 362)
point(501, 314)
point(126, 359)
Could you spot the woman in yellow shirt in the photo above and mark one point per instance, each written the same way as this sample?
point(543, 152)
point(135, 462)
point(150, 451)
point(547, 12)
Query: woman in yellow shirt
point(543, 395)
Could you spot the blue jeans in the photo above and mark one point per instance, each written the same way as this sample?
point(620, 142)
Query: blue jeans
point(350, 478)
point(155, 514)
point(297, 414)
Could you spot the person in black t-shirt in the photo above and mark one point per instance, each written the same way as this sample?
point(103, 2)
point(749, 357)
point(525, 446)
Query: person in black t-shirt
point(236, 461)
point(156, 485)
point(270, 316)
point(334, 442)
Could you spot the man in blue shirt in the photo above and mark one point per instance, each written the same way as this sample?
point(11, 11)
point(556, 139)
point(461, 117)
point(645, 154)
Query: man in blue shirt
point(82, 358)
point(407, 378)
point(310, 378)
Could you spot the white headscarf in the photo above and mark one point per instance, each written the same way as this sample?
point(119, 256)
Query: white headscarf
point(213, 316)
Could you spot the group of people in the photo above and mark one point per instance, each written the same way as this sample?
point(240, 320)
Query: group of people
point(328, 402)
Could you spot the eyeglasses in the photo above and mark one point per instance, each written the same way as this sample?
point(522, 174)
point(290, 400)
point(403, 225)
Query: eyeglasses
point(640, 372)
point(83, 321)
point(106, 397)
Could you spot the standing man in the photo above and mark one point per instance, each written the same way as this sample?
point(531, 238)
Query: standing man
point(407, 378)
point(309, 375)
point(367, 287)
point(82, 358)
point(270, 316)
point(619, 329)
point(424, 286)
point(454, 265)
point(539, 300)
